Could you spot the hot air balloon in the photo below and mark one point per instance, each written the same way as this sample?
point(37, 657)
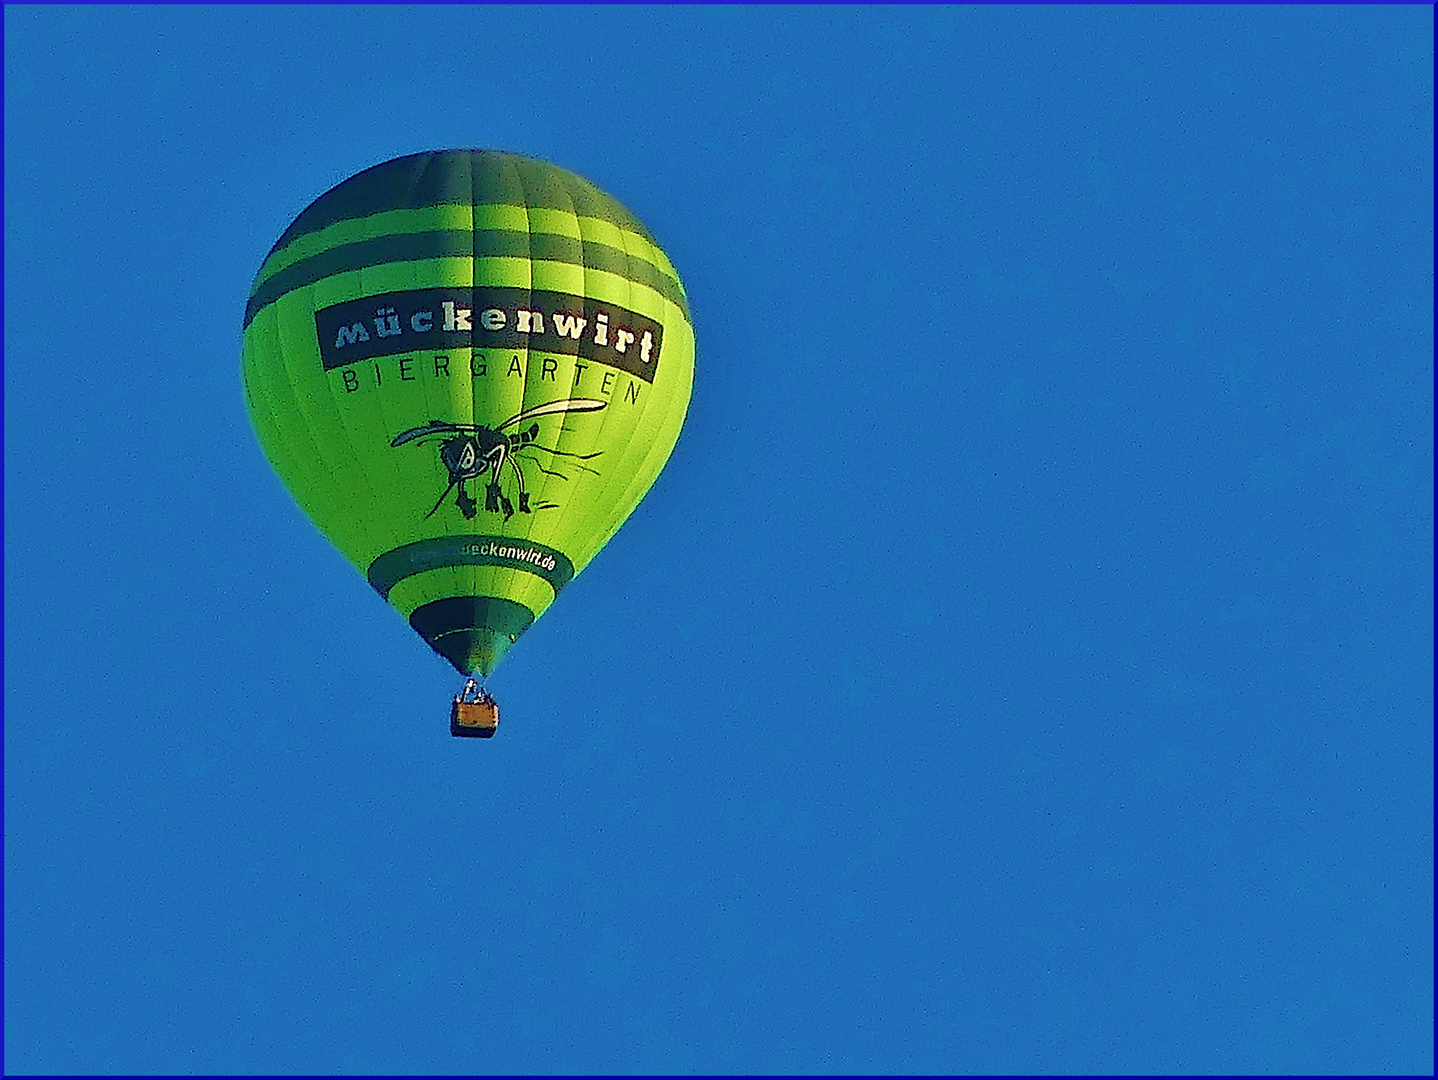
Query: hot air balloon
point(467, 367)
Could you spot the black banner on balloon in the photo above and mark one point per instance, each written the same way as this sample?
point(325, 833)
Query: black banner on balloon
point(484, 317)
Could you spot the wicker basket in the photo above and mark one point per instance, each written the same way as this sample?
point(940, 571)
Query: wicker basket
point(473, 719)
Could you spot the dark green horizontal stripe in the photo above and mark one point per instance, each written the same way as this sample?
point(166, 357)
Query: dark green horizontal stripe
point(450, 177)
point(462, 243)
point(392, 567)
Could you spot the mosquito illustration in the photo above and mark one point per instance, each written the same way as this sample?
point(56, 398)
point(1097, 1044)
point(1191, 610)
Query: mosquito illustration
point(476, 452)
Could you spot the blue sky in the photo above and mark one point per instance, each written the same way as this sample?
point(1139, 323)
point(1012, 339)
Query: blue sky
point(1024, 664)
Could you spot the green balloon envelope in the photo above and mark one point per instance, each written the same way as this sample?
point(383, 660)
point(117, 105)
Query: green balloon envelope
point(467, 367)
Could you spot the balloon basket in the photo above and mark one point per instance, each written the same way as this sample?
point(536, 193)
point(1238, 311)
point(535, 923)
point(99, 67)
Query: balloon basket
point(473, 719)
